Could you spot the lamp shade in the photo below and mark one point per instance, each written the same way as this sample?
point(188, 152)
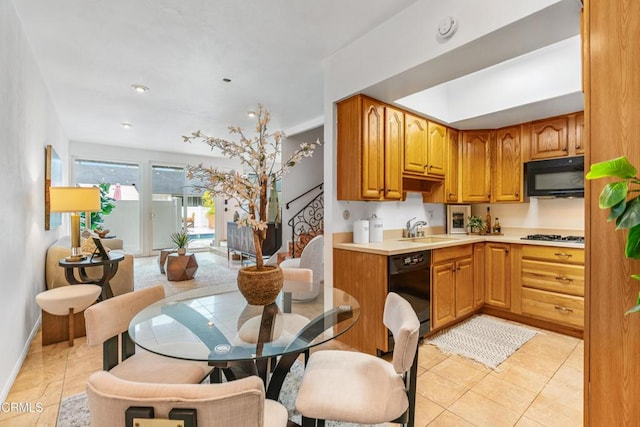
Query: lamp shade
point(75, 199)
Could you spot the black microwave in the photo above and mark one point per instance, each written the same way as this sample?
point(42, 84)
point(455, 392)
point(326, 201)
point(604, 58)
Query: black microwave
point(563, 177)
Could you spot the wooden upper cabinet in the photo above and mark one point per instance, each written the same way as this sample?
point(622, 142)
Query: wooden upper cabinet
point(424, 148)
point(393, 153)
point(550, 138)
point(557, 137)
point(451, 180)
point(369, 168)
point(416, 136)
point(437, 149)
point(579, 141)
point(372, 149)
point(506, 182)
point(475, 166)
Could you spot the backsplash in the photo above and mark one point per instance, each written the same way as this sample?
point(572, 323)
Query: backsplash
point(394, 214)
point(562, 214)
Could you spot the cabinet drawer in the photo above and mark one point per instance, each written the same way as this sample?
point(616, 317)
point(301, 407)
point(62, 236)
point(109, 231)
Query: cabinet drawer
point(552, 253)
point(452, 252)
point(555, 307)
point(554, 277)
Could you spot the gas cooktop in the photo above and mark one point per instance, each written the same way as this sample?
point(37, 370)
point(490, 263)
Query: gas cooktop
point(554, 238)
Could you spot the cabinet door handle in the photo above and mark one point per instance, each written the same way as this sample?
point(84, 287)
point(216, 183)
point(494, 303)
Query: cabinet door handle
point(564, 254)
point(488, 195)
point(517, 194)
point(564, 279)
point(563, 309)
point(453, 269)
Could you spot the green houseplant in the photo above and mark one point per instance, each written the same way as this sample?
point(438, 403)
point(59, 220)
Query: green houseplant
point(622, 198)
point(209, 202)
point(476, 224)
point(106, 206)
point(181, 239)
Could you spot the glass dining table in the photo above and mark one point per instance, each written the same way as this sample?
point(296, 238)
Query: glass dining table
point(238, 339)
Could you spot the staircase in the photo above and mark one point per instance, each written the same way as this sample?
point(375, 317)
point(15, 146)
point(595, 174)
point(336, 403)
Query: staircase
point(308, 222)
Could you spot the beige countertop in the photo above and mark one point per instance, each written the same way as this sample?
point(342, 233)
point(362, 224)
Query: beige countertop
point(395, 246)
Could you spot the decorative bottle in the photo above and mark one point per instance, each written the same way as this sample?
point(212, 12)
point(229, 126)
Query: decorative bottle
point(487, 220)
point(496, 228)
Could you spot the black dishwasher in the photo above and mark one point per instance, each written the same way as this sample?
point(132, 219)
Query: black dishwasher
point(410, 277)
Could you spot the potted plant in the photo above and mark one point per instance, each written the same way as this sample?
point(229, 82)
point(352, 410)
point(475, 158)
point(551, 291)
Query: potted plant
point(622, 199)
point(208, 201)
point(181, 239)
point(476, 224)
point(261, 163)
point(106, 206)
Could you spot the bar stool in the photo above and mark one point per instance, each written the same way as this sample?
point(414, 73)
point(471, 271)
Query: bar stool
point(64, 301)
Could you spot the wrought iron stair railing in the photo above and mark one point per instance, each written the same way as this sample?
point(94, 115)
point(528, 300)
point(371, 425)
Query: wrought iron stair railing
point(308, 222)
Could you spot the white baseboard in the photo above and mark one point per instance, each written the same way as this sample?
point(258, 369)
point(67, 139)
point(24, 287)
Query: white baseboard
point(16, 369)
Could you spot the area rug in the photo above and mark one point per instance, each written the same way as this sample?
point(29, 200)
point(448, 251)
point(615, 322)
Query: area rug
point(74, 410)
point(485, 339)
point(213, 270)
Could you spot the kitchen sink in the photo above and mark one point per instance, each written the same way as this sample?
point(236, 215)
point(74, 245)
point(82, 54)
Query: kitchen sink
point(428, 239)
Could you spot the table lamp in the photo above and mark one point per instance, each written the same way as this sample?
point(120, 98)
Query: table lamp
point(75, 200)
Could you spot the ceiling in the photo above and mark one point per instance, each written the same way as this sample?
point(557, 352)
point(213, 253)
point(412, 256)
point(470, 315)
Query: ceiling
point(90, 53)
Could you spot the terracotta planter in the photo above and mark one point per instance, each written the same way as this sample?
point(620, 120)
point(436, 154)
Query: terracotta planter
point(260, 287)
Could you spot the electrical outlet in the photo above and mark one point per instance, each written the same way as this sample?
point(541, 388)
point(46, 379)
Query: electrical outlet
point(430, 214)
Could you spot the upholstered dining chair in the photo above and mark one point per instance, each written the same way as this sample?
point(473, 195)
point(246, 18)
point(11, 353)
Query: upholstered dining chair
point(239, 403)
point(312, 257)
point(107, 323)
point(355, 387)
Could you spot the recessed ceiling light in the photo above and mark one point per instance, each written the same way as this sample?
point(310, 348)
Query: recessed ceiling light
point(251, 114)
point(226, 80)
point(140, 88)
point(126, 125)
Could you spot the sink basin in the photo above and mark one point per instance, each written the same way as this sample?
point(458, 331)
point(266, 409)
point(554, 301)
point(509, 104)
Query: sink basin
point(428, 239)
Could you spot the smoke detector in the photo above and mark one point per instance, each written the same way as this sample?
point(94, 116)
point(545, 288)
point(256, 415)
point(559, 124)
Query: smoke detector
point(447, 28)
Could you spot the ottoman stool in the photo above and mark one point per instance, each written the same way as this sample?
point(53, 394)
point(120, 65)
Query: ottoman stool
point(65, 303)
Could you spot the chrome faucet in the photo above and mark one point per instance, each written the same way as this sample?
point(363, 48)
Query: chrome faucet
point(410, 230)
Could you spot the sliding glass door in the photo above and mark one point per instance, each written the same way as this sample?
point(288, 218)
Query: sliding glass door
point(121, 184)
point(176, 205)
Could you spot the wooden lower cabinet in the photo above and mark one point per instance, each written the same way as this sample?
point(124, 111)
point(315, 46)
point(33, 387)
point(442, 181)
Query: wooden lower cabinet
point(365, 277)
point(479, 272)
point(552, 284)
point(452, 285)
point(498, 275)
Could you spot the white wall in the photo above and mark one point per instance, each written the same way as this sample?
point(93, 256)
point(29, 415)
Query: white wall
point(302, 177)
point(402, 56)
point(28, 122)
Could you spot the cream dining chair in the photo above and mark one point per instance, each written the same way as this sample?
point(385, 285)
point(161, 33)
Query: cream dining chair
point(360, 388)
point(241, 403)
point(107, 323)
point(312, 258)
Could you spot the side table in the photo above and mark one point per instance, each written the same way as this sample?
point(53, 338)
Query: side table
point(109, 269)
point(162, 258)
point(181, 267)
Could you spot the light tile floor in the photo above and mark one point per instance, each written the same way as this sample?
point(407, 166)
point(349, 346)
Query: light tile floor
point(539, 385)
